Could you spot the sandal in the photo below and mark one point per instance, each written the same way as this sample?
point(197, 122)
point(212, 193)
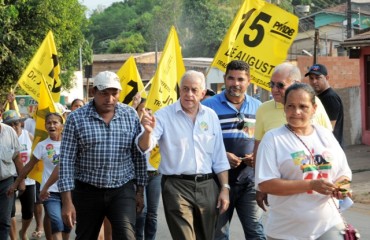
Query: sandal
point(37, 234)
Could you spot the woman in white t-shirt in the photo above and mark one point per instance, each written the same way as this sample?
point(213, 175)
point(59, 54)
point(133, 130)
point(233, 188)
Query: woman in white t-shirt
point(304, 170)
point(48, 151)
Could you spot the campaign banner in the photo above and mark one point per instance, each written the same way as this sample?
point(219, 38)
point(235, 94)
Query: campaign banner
point(260, 35)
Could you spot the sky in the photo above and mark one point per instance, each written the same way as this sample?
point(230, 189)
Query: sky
point(93, 4)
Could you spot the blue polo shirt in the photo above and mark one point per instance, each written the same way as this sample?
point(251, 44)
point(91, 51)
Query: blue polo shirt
point(238, 142)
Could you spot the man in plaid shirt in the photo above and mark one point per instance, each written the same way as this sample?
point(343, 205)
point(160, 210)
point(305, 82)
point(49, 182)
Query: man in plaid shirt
point(100, 162)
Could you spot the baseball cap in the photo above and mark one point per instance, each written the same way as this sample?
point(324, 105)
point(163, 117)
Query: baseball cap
point(62, 109)
point(210, 92)
point(106, 80)
point(317, 69)
point(11, 116)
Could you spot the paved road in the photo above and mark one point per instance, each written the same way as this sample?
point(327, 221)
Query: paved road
point(358, 215)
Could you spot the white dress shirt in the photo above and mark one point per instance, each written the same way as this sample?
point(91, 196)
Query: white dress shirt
point(187, 147)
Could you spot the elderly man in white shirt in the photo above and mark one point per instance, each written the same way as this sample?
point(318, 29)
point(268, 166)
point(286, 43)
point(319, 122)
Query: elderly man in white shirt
point(192, 150)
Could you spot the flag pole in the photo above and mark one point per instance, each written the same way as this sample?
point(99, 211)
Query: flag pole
point(146, 86)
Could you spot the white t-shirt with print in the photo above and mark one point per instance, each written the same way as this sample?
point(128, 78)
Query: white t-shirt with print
point(48, 151)
point(281, 155)
point(25, 152)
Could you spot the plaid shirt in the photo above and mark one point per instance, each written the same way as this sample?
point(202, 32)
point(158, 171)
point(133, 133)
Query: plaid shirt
point(100, 154)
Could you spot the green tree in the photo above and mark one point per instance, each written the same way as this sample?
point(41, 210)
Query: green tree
point(206, 23)
point(25, 23)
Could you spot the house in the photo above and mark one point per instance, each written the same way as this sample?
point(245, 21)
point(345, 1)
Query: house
point(332, 26)
point(359, 48)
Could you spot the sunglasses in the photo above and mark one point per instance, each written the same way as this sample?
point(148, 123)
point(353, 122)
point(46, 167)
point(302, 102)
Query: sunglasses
point(279, 85)
point(12, 124)
point(241, 122)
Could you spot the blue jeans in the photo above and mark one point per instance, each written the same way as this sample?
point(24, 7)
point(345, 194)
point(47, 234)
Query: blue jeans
point(53, 207)
point(6, 204)
point(146, 222)
point(243, 199)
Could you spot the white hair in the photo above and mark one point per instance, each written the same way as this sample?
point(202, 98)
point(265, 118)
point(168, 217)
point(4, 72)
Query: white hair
point(194, 74)
point(294, 74)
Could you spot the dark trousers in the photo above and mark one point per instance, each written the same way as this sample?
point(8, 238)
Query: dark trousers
point(6, 204)
point(93, 204)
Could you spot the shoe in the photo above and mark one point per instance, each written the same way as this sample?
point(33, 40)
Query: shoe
point(37, 234)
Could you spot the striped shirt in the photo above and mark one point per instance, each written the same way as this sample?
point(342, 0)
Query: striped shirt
point(100, 154)
point(238, 142)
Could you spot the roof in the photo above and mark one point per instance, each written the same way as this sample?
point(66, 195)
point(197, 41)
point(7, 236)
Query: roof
point(119, 57)
point(360, 40)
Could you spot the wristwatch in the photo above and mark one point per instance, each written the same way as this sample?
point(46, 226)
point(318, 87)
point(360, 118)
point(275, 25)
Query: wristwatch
point(225, 185)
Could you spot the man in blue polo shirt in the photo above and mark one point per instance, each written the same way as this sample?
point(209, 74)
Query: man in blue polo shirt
point(237, 113)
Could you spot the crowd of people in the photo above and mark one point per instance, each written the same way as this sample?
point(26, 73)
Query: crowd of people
point(219, 152)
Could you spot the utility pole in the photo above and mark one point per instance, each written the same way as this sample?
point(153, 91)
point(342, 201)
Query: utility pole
point(349, 19)
point(316, 44)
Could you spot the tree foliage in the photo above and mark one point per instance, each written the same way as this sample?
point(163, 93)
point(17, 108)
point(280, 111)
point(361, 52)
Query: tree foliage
point(201, 25)
point(25, 23)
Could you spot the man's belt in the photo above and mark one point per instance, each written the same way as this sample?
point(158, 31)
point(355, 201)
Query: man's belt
point(192, 177)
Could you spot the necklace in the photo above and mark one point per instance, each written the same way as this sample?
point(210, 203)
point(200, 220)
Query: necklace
point(313, 161)
point(237, 102)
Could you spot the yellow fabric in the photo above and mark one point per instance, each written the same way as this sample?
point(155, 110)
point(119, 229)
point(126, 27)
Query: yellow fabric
point(131, 82)
point(44, 63)
point(163, 90)
point(166, 80)
point(44, 107)
point(15, 107)
point(271, 115)
point(261, 35)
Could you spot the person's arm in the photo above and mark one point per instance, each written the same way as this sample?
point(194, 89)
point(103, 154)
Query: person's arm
point(284, 187)
point(11, 98)
point(44, 194)
point(22, 172)
point(68, 209)
point(148, 122)
point(261, 198)
point(136, 100)
point(223, 201)
point(68, 155)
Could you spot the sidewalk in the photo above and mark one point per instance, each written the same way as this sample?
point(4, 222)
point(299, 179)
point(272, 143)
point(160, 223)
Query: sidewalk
point(358, 157)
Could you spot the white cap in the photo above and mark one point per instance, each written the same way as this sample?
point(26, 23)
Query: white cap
point(61, 108)
point(106, 80)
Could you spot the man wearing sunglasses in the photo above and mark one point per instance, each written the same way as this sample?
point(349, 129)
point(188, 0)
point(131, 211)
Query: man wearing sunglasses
point(236, 111)
point(271, 113)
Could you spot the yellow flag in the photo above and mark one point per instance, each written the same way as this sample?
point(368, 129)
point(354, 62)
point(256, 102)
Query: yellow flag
point(45, 106)
point(260, 35)
point(130, 81)
point(44, 62)
point(163, 90)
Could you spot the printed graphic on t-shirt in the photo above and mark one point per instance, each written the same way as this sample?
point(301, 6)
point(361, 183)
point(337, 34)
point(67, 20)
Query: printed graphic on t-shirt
point(52, 155)
point(249, 126)
point(23, 153)
point(318, 169)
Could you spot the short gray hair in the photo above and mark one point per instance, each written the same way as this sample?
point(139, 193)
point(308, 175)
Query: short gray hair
point(196, 74)
point(294, 74)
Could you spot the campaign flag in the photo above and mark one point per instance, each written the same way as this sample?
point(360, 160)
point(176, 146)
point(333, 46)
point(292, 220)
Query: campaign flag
point(165, 82)
point(44, 63)
point(45, 106)
point(163, 90)
point(260, 35)
point(130, 81)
